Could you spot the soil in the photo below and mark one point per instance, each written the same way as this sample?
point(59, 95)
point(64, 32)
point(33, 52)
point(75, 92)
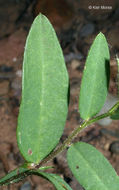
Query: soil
point(76, 30)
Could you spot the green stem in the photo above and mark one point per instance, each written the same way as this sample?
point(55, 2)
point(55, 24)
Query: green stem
point(68, 141)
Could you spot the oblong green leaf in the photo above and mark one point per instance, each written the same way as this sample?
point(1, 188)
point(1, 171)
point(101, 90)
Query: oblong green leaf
point(43, 109)
point(15, 176)
point(57, 181)
point(91, 168)
point(95, 80)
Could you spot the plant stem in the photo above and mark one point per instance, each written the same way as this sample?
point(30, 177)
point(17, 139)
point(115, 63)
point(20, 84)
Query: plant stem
point(68, 141)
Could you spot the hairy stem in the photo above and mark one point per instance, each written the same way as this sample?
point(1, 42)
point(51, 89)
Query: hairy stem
point(68, 141)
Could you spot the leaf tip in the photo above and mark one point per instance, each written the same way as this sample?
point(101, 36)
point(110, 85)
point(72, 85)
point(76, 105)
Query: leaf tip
point(101, 35)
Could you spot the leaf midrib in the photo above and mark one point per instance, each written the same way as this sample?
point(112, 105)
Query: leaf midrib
point(89, 166)
point(92, 89)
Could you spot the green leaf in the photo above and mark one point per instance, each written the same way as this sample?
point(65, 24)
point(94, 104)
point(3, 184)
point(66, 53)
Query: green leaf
point(95, 81)
point(43, 109)
point(15, 176)
point(57, 181)
point(91, 168)
point(115, 116)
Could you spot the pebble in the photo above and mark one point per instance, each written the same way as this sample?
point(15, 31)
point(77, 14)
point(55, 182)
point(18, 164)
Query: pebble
point(114, 147)
point(19, 73)
point(16, 86)
point(14, 59)
point(69, 57)
point(75, 64)
point(87, 29)
point(26, 186)
point(112, 133)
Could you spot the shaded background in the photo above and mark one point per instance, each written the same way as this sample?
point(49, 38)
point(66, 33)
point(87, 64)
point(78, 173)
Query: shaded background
point(76, 22)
